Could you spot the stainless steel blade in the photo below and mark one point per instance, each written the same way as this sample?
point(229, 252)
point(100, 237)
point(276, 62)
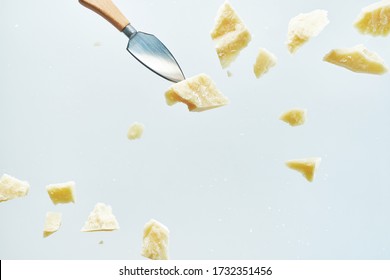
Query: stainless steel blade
point(152, 53)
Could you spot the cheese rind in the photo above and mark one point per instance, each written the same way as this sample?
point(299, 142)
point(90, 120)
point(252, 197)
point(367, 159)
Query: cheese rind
point(294, 117)
point(155, 241)
point(52, 223)
point(375, 19)
point(62, 192)
point(307, 166)
point(11, 188)
point(199, 93)
point(357, 59)
point(101, 219)
point(230, 35)
point(305, 26)
point(135, 131)
point(264, 61)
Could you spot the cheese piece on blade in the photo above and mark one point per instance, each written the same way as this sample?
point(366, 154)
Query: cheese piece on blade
point(135, 131)
point(306, 166)
point(199, 93)
point(101, 219)
point(264, 61)
point(11, 188)
point(155, 241)
point(230, 35)
point(52, 223)
point(305, 26)
point(62, 192)
point(357, 59)
point(375, 19)
point(294, 117)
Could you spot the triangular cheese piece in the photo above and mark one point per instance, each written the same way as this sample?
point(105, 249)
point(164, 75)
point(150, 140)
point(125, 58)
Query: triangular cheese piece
point(101, 219)
point(375, 19)
point(52, 223)
point(306, 166)
point(155, 241)
point(11, 188)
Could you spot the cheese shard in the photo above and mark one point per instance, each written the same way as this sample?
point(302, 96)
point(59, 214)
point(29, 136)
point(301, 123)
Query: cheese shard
point(155, 241)
point(305, 26)
point(101, 219)
point(229, 34)
point(357, 59)
point(307, 166)
point(62, 192)
point(294, 117)
point(11, 188)
point(52, 223)
point(199, 93)
point(375, 19)
point(135, 131)
point(264, 61)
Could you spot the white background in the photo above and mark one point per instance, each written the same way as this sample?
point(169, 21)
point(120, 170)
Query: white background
point(69, 91)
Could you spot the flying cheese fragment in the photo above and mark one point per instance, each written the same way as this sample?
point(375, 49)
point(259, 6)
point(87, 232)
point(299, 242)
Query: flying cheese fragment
point(101, 219)
point(135, 131)
point(305, 166)
point(264, 61)
point(375, 19)
point(155, 241)
point(62, 192)
point(11, 188)
point(52, 223)
point(294, 117)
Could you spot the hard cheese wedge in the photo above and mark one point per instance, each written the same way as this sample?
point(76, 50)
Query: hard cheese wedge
point(264, 61)
point(155, 241)
point(11, 188)
point(199, 93)
point(52, 223)
point(305, 26)
point(61, 193)
point(375, 19)
point(294, 117)
point(357, 59)
point(135, 131)
point(101, 219)
point(306, 166)
point(230, 35)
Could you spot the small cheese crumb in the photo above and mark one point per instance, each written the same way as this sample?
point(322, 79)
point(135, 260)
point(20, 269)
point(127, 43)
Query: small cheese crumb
point(62, 192)
point(305, 26)
point(101, 219)
point(199, 93)
point(155, 241)
point(294, 117)
point(135, 131)
point(357, 59)
point(52, 223)
point(229, 74)
point(307, 166)
point(11, 188)
point(230, 35)
point(375, 19)
point(264, 61)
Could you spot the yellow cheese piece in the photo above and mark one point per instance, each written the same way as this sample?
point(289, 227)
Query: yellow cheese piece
point(52, 223)
point(357, 59)
point(306, 166)
point(305, 26)
point(375, 19)
point(264, 61)
point(155, 241)
point(294, 117)
point(101, 219)
point(199, 93)
point(11, 188)
point(230, 35)
point(135, 131)
point(61, 193)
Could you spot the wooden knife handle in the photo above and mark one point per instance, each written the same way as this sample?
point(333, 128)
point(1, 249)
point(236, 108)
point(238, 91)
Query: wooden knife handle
point(108, 10)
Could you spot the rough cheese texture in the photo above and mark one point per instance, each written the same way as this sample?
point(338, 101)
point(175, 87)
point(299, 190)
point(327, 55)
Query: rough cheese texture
point(199, 93)
point(52, 223)
point(62, 192)
point(101, 219)
point(294, 117)
point(307, 166)
point(305, 26)
point(264, 61)
point(357, 59)
point(375, 19)
point(230, 35)
point(11, 188)
point(155, 241)
point(135, 131)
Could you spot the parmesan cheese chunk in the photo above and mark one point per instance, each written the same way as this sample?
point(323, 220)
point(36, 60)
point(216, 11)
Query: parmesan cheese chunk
point(52, 223)
point(307, 166)
point(199, 93)
point(62, 192)
point(101, 219)
point(135, 131)
point(11, 188)
point(264, 61)
point(155, 241)
point(375, 19)
point(294, 117)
